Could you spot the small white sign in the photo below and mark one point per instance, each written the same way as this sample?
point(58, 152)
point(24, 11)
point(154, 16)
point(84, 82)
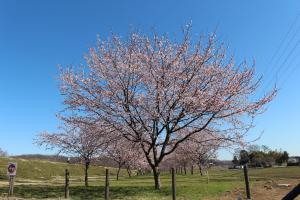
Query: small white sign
point(12, 169)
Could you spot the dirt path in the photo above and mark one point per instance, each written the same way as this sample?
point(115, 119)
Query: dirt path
point(268, 190)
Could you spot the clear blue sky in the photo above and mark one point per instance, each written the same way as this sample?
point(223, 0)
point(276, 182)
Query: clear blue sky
point(36, 36)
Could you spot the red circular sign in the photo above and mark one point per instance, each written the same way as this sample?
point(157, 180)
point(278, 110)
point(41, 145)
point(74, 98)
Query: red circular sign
point(11, 168)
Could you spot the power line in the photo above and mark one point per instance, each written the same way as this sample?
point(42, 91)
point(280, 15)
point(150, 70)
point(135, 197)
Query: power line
point(281, 43)
point(285, 49)
point(275, 77)
point(293, 70)
point(279, 58)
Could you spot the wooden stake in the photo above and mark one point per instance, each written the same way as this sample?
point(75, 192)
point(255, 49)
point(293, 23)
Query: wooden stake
point(173, 184)
point(106, 195)
point(247, 181)
point(207, 174)
point(67, 183)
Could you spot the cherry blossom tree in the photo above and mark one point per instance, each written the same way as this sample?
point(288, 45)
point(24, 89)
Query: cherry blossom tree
point(137, 162)
point(181, 159)
point(125, 154)
point(197, 151)
point(200, 152)
point(158, 92)
point(80, 139)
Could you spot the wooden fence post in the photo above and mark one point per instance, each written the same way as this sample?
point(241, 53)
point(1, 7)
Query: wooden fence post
point(247, 181)
point(106, 195)
point(11, 186)
point(67, 183)
point(244, 159)
point(173, 184)
point(207, 174)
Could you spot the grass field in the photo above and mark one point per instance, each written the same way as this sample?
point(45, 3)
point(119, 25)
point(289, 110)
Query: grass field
point(45, 170)
point(41, 179)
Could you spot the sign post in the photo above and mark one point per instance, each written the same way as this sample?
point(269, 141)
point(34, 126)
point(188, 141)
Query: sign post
point(11, 172)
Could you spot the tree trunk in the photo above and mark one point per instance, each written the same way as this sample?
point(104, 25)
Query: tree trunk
point(207, 176)
point(156, 174)
point(200, 169)
point(184, 168)
point(118, 173)
point(192, 169)
point(129, 171)
point(86, 177)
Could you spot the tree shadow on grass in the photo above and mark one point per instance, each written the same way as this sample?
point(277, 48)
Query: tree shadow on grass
point(35, 191)
point(81, 192)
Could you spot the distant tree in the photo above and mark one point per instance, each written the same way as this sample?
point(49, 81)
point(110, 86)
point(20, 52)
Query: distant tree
point(265, 148)
point(137, 162)
point(3, 153)
point(125, 154)
point(193, 152)
point(182, 157)
point(158, 92)
point(83, 139)
point(283, 157)
point(199, 151)
point(254, 148)
point(235, 160)
point(263, 156)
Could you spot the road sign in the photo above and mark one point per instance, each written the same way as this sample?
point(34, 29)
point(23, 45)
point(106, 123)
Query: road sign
point(12, 169)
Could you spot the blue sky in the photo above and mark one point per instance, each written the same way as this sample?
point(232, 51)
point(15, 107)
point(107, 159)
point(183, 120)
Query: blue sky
point(36, 36)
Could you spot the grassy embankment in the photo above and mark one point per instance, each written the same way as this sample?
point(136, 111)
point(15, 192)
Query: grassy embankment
point(42, 170)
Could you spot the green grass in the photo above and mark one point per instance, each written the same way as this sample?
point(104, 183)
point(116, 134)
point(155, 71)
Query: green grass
point(29, 183)
point(45, 170)
point(188, 187)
